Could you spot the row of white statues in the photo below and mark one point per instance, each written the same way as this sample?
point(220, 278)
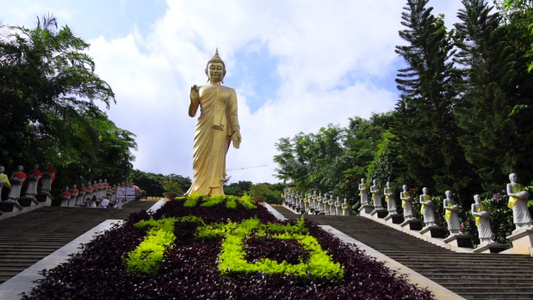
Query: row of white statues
point(371, 196)
point(313, 203)
point(518, 198)
point(97, 194)
point(36, 184)
point(33, 189)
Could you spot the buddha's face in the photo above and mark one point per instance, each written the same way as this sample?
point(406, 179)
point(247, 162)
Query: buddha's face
point(215, 71)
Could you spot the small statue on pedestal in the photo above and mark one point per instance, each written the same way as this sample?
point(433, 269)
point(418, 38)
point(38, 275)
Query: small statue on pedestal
point(407, 203)
point(481, 213)
point(426, 208)
point(376, 195)
point(452, 214)
point(74, 192)
point(32, 181)
point(65, 197)
point(17, 179)
point(47, 179)
point(363, 192)
point(345, 206)
point(518, 203)
point(390, 198)
point(4, 180)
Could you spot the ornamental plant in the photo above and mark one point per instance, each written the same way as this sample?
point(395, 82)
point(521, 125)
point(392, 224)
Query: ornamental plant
point(171, 186)
point(219, 252)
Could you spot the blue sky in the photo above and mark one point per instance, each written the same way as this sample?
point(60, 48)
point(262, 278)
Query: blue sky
point(296, 65)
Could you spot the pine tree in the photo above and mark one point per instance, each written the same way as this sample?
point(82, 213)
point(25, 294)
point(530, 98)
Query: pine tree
point(426, 129)
point(495, 106)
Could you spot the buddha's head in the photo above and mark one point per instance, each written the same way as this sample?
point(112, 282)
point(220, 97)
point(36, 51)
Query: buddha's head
point(513, 177)
point(215, 69)
point(476, 198)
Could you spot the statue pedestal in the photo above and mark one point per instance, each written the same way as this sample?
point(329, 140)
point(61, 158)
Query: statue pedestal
point(411, 224)
point(456, 241)
point(433, 232)
point(490, 248)
point(522, 242)
point(366, 210)
point(28, 201)
point(44, 198)
point(379, 212)
point(394, 218)
point(10, 206)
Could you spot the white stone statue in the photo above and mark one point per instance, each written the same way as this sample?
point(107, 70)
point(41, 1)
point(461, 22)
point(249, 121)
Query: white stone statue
point(345, 206)
point(217, 127)
point(376, 195)
point(32, 182)
point(74, 192)
point(331, 205)
point(426, 208)
point(451, 214)
point(390, 198)
point(65, 197)
point(337, 206)
point(363, 192)
point(80, 200)
point(518, 202)
point(17, 179)
point(481, 213)
point(4, 180)
point(49, 175)
point(407, 203)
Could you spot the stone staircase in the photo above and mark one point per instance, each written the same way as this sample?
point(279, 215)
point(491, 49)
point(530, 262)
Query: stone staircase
point(472, 276)
point(27, 238)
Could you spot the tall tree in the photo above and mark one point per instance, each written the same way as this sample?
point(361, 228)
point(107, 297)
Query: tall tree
point(48, 110)
point(496, 102)
point(426, 129)
point(45, 76)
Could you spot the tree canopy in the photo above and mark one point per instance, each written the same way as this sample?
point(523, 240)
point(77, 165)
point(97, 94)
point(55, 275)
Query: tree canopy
point(49, 111)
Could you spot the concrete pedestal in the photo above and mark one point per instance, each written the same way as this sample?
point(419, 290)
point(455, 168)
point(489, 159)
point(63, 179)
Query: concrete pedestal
point(490, 248)
point(433, 232)
point(9, 206)
point(411, 224)
point(459, 241)
point(379, 213)
point(366, 210)
point(394, 218)
point(28, 201)
point(522, 242)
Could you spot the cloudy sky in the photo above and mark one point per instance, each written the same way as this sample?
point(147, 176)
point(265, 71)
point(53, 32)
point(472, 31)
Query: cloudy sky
point(296, 65)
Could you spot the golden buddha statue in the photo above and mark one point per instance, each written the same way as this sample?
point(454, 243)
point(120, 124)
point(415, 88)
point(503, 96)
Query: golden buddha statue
point(217, 126)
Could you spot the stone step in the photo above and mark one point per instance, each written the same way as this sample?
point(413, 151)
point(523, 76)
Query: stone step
point(493, 294)
point(472, 276)
point(29, 237)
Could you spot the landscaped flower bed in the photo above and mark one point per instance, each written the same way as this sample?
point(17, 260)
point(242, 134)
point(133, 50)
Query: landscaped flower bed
point(220, 248)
